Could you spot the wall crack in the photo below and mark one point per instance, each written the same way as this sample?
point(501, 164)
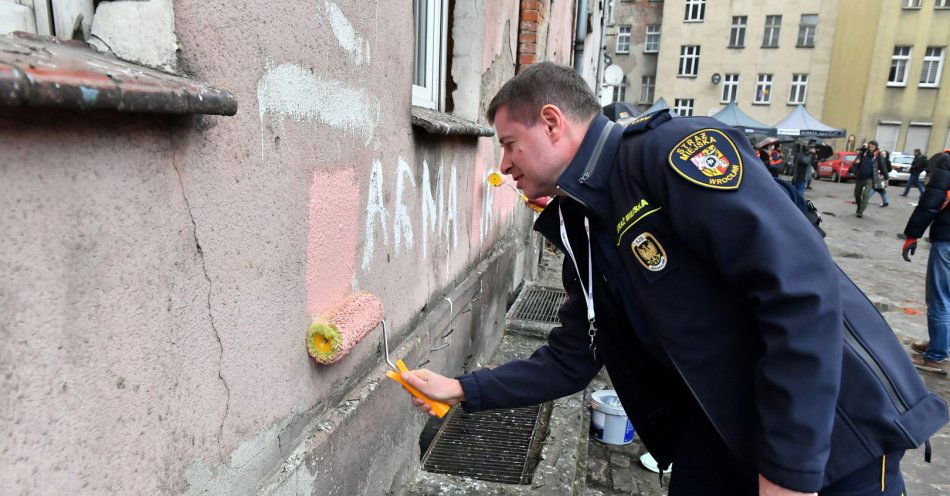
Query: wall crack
point(214, 327)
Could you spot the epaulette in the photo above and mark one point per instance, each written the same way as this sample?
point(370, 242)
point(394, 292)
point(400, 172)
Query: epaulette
point(647, 121)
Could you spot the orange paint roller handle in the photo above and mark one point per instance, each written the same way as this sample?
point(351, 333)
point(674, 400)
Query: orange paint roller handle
point(437, 407)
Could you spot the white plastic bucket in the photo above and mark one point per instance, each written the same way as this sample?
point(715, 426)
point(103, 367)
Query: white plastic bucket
point(608, 421)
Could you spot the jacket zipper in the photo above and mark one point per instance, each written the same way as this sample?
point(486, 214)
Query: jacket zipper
point(861, 350)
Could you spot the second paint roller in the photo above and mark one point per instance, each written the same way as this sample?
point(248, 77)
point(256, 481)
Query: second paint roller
point(336, 333)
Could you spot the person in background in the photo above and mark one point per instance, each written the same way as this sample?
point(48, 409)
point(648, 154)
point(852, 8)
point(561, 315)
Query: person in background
point(803, 165)
point(916, 167)
point(764, 157)
point(867, 163)
point(932, 211)
point(881, 178)
point(776, 162)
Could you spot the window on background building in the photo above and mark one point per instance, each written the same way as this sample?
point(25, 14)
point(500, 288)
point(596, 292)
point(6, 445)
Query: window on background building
point(689, 60)
point(933, 67)
point(763, 89)
point(623, 39)
point(900, 61)
point(428, 55)
point(695, 10)
point(798, 89)
point(918, 135)
point(730, 88)
point(887, 133)
point(737, 33)
point(646, 89)
point(683, 107)
point(652, 44)
point(610, 12)
point(773, 25)
point(620, 91)
point(911, 4)
point(941, 4)
point(807, 28)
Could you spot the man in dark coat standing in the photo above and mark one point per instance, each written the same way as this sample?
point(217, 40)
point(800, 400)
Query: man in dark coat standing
point(803, 164)
point(863, 169)
point(916, 167)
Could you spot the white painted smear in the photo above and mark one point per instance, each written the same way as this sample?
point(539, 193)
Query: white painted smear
point(431, 219)
point(452, 208)
point(290, 91)
point(402, 226)
point(374, 207)
point(488, 200)
point(345, 34)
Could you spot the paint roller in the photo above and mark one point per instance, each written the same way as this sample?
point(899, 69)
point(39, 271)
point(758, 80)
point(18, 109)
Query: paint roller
point(495, 179)
point(335, 333)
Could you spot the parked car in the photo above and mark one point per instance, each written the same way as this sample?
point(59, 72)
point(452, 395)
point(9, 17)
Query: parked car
point(900, 173)
point(836, 166)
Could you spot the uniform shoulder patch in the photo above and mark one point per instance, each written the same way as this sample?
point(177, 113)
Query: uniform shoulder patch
point(708, 158)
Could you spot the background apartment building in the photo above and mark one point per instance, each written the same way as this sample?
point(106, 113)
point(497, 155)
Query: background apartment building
point(766, 55)
point(633, 43)
point(888, 78)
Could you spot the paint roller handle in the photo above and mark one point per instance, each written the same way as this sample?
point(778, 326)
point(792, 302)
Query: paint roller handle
point(437, 408)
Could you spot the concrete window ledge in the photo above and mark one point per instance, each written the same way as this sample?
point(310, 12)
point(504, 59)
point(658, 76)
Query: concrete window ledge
point(435, 122)
point(41, 71)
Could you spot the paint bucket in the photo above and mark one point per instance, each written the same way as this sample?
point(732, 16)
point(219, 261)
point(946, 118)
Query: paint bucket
point(608, 421)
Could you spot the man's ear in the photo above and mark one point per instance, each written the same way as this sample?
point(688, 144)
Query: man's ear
point(553, 121)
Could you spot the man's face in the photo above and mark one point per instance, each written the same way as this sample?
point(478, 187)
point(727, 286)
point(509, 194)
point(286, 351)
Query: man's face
point(872, 147)
point(530, 156)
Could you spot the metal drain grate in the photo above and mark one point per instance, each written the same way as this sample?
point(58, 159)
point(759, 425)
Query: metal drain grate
point(536, 308)
point(490, 446)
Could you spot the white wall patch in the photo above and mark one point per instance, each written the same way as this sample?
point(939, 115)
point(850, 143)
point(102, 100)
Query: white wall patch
point(290, 91)
point(345, 34)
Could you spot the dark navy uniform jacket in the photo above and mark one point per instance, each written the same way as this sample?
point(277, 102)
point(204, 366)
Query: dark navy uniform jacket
point(712, 289)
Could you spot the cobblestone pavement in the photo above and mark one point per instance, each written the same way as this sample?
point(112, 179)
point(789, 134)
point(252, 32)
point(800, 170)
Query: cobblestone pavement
point(868, 250)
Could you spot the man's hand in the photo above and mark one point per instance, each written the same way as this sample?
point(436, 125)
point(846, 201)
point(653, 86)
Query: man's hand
point(910, 246)
point(768, 488)
point(434, 386)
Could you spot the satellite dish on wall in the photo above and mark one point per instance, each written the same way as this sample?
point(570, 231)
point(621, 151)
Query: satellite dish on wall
point(613, 74)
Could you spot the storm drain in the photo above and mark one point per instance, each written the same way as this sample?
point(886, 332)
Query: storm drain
point(535, 310)
point(494, 446)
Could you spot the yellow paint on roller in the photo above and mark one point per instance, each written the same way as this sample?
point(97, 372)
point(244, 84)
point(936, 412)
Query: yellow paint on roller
point(334, 334)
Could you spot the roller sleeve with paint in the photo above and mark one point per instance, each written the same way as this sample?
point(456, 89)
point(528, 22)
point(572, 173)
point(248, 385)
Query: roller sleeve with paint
point(335, 333)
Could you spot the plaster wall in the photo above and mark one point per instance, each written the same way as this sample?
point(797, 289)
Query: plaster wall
point(712, 35)
point(863, 49)
point(159, 274)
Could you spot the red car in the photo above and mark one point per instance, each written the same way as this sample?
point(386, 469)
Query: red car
point(836, 166)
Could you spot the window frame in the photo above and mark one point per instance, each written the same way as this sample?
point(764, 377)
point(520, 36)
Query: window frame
point(647, 83)
point(763, 80)
point(927, 63)
point(624, 36)
point(941, 4)
point(691, 106)
point(800, 82)
point(695, 11)
point(686, 58)
point(896, 60)
point(772, 32)
point(910, 4)
point(738, 29)
point(655, 43)
point(620, 91)
point(432, 94)
point(730, 85)
point(806, 31)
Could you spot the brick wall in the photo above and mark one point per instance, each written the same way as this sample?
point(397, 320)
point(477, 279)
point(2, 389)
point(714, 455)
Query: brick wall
point(532, 16)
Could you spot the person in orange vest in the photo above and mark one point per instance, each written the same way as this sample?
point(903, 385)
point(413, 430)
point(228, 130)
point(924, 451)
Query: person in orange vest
point(776, 162)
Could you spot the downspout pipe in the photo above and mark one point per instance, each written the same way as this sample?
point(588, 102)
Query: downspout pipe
point(580, 32)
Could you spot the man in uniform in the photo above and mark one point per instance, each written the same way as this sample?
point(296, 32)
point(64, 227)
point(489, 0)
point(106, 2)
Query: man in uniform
point(740, 352)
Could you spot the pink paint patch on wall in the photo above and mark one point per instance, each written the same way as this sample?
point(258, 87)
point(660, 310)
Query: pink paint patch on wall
point(499, 15)
point(332, 236)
